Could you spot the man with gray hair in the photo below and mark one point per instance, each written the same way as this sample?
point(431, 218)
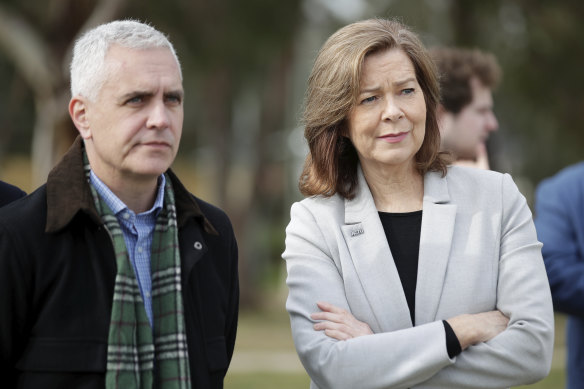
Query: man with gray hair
point(112, 275)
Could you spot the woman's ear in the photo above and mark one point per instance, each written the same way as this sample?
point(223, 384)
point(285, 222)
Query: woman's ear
point(78, 113)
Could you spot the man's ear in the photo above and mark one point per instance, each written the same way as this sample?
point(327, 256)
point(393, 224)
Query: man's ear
point(78, 113)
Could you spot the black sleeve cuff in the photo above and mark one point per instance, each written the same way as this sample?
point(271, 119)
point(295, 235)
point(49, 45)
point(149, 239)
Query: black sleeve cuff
point(452, 344)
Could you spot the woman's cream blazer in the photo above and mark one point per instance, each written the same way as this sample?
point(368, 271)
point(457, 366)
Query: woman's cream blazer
point(478, 252)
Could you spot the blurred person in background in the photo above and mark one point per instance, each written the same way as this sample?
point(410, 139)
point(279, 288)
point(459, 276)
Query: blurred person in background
point(465, 114)
point(559, 219)
point(113, 275)
point(402, 271)
point(9, 193)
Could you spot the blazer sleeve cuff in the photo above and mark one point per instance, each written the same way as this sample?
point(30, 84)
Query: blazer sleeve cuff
point(452, 343)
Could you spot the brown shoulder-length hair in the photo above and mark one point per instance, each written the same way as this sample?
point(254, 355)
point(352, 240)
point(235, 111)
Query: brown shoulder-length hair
point(333, 87)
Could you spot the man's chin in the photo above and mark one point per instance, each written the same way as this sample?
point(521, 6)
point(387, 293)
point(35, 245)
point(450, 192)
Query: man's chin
point(152, 163)
point(466, 156)
point(472, 153)
point(152, 169)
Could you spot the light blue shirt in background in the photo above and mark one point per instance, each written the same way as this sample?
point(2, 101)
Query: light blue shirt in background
point(138, 230)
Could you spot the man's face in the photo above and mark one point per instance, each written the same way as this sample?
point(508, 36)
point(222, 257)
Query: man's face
point(135, 124)
point(464, 132)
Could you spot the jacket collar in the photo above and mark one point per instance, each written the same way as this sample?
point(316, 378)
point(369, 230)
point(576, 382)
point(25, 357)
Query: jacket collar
point(436, 188)
point(362, 205)
point(68, 193)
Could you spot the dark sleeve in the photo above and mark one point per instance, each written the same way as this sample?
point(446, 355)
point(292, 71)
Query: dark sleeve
point(231, 325)
point(452, 343)
point(559, 202)
point(13, 304)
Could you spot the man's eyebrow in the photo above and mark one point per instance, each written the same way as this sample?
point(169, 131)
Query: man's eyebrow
point(129, 95)
point(175, 93)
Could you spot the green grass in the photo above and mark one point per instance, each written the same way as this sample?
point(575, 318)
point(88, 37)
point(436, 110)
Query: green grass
point(261, 380)
point(267, 381)
point(555, 380)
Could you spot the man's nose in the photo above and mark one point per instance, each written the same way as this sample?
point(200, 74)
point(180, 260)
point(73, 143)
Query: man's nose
point(158, 116)
point(492, 122)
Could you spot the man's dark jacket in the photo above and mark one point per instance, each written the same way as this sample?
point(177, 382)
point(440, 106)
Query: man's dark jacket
point(57, 272)
point(9, 193)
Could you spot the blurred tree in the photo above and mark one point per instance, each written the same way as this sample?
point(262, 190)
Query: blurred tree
point(540, 101)
point(36, 37)
point(236, 59)
point(245, 65)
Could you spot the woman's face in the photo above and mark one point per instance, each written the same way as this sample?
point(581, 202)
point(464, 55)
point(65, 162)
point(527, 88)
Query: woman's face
point(387, 123)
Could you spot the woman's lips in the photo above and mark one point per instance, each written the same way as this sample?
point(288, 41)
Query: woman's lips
point(394, 138)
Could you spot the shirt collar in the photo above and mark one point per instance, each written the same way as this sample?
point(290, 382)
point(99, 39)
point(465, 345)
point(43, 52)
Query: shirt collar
point(116, 205)
point(67, 191)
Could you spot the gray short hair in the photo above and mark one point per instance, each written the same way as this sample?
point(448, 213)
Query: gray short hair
point(88, 72)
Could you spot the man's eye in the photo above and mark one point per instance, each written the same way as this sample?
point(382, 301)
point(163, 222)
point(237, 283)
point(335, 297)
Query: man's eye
point(135, 100)
point(173, 99)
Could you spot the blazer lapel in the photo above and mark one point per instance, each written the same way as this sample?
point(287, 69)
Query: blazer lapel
point(373, 261)
point(435, 241)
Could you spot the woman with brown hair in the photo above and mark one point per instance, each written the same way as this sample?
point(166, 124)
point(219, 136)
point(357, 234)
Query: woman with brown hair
point(403, 271)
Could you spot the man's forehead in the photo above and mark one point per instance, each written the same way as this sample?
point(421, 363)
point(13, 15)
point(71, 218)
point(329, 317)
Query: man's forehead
point(118, 53)
point(136, 64)
point(480, 92)
point(123, 82)
point(477, 85)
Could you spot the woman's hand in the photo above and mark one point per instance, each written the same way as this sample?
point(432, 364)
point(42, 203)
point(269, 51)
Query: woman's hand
point(478, 328)
point(338, 323)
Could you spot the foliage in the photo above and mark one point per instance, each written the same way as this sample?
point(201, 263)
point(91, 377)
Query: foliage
point(245, 66)
point(540, 101)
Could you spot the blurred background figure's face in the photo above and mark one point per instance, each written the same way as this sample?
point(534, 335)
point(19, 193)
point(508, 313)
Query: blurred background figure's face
point(387, 124)
point(464, 132)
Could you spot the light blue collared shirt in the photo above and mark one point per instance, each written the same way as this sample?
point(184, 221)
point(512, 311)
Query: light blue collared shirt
point(138, 231)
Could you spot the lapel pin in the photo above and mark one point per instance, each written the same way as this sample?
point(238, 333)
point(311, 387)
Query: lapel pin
point(357, 231)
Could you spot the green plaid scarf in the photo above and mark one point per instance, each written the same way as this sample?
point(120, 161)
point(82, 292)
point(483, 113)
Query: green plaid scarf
point(137, 355)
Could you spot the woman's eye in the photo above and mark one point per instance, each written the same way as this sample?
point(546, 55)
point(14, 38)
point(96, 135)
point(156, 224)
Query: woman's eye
point(408, 91)
point(369, 99)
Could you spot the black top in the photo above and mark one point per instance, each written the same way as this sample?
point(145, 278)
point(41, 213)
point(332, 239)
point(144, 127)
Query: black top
point(403, 236)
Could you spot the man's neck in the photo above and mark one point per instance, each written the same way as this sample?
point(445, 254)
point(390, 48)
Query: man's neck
point(137, 195)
